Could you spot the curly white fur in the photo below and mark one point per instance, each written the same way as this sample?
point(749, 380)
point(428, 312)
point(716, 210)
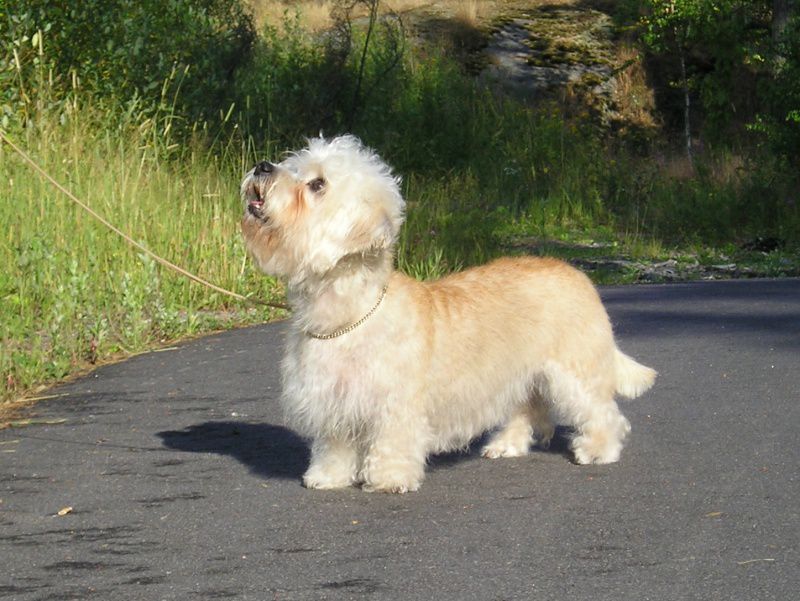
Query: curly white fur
point(516, 344)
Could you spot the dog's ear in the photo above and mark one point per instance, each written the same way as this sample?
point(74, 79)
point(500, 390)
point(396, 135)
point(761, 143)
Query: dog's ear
point(377, 223)
point(371, 226)
point(373, 233)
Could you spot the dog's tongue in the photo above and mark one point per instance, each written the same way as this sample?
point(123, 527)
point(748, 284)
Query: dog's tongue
point(256, 201)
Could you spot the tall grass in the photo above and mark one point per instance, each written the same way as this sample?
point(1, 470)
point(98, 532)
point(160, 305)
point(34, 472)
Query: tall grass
point(72, 292)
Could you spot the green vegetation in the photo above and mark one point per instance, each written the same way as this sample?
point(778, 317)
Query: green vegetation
point(151, 117)
point(738, 61)
point(73, 292)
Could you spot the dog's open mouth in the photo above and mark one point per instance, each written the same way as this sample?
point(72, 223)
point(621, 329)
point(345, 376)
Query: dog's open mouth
point(255, 203)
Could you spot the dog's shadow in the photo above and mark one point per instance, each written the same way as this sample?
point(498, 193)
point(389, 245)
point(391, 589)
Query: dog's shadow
point(267, 450)
point(273, 451)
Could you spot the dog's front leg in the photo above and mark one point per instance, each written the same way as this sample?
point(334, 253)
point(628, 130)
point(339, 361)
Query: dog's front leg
point(395, 461)
point(334, 464)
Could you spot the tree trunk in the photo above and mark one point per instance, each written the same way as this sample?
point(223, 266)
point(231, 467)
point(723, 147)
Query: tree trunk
point(782, 11)
point(687, 121)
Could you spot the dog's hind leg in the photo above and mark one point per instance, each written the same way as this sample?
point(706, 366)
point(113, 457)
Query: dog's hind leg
point(334, 464)
point(588, 404)
point(601, 435)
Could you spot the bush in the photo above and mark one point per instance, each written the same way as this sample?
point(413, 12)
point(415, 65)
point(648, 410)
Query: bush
point(129, 48)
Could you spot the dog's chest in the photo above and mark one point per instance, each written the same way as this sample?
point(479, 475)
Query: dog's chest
point(341, 372)
point(327, 379)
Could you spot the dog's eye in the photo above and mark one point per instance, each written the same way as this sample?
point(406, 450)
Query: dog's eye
point(315, 185)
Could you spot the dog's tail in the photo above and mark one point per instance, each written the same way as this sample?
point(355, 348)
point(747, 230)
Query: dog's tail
point(633, 378)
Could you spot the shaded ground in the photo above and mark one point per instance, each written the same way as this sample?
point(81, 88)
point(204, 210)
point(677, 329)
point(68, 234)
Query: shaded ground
point(177, 479)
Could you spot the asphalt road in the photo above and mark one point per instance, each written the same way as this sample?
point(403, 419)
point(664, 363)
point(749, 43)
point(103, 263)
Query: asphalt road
point(184, 484)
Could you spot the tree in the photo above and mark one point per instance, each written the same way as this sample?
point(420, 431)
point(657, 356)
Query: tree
point(721, 49)
point(669, 29)
point(739, 58)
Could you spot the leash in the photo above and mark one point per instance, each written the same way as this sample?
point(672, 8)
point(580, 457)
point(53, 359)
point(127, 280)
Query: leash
point(131, 241)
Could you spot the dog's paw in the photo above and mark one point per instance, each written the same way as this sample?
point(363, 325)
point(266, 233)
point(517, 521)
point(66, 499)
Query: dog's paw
point(502, 448)
point(321, 480)
point(587, 451)
point(391, 487)
point(394, 479)
point(392, 473)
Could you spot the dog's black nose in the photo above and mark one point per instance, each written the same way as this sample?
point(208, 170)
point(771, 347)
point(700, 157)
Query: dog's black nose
point(263, 168)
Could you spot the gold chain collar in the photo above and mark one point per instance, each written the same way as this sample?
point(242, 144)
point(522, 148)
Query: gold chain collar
point(352, 326)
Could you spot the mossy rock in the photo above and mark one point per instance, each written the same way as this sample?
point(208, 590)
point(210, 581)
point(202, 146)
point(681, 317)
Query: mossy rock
point(564, 51)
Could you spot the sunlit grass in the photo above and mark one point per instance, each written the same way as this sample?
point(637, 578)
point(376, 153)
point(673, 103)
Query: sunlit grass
point(72, 291)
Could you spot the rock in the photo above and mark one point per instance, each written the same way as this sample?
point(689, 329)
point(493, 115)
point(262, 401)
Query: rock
point(547, 49)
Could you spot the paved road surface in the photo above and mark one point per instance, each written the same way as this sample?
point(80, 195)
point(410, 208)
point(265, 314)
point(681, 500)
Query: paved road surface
point(184, 484)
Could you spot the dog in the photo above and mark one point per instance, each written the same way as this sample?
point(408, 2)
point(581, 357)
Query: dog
point(382, 371)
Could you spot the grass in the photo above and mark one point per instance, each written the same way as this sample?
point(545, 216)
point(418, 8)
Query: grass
point(483, 176)
point(74, 293)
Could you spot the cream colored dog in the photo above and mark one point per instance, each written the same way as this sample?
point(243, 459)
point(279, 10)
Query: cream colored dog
point(382, 370)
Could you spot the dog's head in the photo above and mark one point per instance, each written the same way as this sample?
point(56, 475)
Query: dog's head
point(331, 200)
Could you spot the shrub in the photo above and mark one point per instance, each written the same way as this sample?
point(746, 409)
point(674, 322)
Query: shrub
point(130, 48)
